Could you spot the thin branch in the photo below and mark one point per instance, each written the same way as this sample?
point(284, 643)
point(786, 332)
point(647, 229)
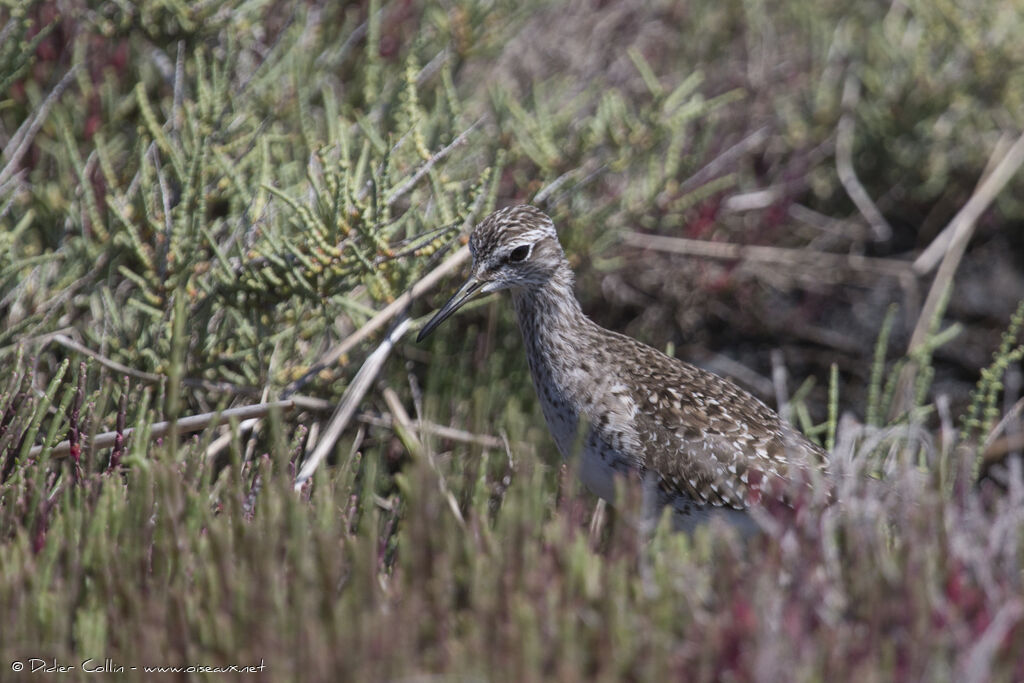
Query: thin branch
point(409, 184)
point(844, 163)
point(431, 68)
point(976, 663)
point(723, 160)
point(401, 418)
point(939, 246)
point(434, 429)
point(753, 201)
point(122, 369)
point(587, 169)
point(1003, 446)
point(762, 254)
point(19, 143)
point(119, 368)
point(386, 314)
point(1012, 418)
point(185, 425)
point(350, 400)
point(851, 230)
point(962, 227)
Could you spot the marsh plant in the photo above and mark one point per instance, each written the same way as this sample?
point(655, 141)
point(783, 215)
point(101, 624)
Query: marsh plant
point(219, 221)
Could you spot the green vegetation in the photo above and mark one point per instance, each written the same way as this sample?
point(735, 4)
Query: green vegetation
point(199, 201)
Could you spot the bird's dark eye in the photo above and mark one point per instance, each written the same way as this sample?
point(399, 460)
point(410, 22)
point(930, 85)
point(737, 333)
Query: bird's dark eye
point(519, 253)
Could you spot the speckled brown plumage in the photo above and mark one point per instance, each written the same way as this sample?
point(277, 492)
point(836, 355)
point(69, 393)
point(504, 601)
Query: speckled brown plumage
point(710, 447)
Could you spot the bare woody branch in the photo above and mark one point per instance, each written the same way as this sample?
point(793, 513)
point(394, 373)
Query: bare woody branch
point(185, 425)
point(350, 401)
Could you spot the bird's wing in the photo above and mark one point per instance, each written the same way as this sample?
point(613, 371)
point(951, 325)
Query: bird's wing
point(710, 440)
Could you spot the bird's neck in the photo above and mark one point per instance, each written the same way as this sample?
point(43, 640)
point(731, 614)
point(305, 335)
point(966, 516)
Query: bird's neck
point(550, 319)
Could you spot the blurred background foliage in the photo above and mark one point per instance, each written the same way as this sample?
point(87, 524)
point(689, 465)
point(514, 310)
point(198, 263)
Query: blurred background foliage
point(214, 194)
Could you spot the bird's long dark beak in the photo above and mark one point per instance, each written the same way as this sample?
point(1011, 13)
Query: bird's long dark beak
point(467, 291)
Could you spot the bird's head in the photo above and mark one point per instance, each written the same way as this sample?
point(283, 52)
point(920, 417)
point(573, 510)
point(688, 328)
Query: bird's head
point(513, 248)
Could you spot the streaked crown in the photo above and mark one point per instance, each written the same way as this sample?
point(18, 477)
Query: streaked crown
point(511, 226)
point(515, 247)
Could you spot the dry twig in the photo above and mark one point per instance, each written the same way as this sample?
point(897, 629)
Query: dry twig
point(718, 165)
point(122, 369)
point(19, 143)
point(440, 431)
point(185, 425)
point(776, 255)
point(350, 400)
point(937, 249)
point(962, 229)
point(385, 315)
point(401, 419)
point(844, 163)
point(409, 184)
point(994, 447)
point(119, 368)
